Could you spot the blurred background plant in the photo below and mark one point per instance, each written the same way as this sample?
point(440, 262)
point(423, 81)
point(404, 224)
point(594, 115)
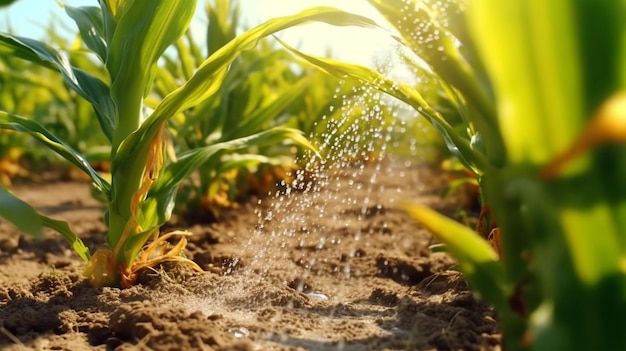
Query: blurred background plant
point(349, 121)
point(258, 91)
point(30, 89)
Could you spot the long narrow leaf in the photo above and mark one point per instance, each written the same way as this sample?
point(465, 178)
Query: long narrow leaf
point(39, 132)
point(88, 86)
point(530, 51)
point(89, 22)
point(18, 212)
point(405, 93)
point(189, 161)
point(27, 220)
point(143, 32)
point(270, 112)
point(477, 260)
point(64, 229)
point(223, 18)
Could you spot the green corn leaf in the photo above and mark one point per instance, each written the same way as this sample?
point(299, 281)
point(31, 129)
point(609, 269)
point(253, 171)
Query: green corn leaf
point(89, 87)
point(64, 229)
point(246, 161)
point(223, 18)
point(194, 48)
point(39, 132)
point(164, 189)
point(148, 216)
point(458, 145)
point(148, 27)
point(18, 212)
point(188, 161)
point(531, 53)
point(599, 32)
point(270, 112)
point(109, 20)
point(165, 80)
point(477, 260)
point(90, 25)
point(186, 60)
point(10, 49)
point(27, 220)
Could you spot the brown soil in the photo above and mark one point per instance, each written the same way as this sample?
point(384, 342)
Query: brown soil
point(339, 267)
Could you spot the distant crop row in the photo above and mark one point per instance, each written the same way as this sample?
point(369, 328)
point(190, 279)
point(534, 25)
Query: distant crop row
point(263, 88)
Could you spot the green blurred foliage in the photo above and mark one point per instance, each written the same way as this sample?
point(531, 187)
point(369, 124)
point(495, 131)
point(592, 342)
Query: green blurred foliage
point(255, 95)
point(32, 90)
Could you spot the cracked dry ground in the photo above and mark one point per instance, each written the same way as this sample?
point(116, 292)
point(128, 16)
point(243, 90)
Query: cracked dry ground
point(340, 267)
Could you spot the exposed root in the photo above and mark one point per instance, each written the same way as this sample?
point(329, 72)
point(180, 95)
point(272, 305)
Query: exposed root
point(157, 252)
point(102, 270)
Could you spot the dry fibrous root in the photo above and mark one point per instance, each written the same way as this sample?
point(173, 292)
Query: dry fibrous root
point(157, 252)
point(102, 269)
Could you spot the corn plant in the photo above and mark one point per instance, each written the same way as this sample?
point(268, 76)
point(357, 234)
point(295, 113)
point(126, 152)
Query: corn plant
point(539, 88)
point(128, 38)
point(255, 94)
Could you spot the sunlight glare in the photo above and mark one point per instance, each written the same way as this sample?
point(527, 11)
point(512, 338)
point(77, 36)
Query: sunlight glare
point(351, 44)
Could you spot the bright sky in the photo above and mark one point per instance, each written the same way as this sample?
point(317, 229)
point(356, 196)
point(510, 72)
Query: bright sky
point(30, 17)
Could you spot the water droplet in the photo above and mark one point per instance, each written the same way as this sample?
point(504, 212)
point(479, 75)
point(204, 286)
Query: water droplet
point(317, 296)
point(239, 332)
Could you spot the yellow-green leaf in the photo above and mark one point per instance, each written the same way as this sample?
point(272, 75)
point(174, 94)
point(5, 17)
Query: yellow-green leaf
point(477, 259)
